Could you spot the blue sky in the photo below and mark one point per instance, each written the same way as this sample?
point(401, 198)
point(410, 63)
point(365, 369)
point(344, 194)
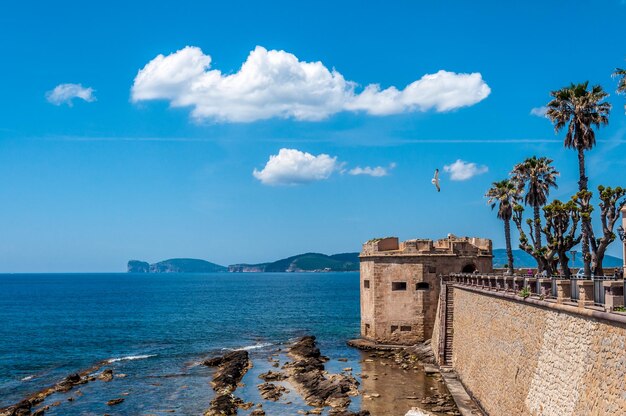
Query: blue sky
point(167, 169)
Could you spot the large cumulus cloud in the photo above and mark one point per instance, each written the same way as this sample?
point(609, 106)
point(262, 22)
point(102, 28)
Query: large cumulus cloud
point(277, 84)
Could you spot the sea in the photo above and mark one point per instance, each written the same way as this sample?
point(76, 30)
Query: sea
point(154, 330)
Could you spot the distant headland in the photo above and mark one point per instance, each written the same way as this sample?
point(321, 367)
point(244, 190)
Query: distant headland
point(307, 262)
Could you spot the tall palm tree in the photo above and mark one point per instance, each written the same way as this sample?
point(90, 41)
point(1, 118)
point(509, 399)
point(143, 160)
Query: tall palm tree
point(580, 109)
point(621, 84)
point(504, 195)
point(534, 177)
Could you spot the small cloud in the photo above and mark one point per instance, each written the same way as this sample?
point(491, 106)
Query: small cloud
point(462, 171)
point(276, 84)
point(293, 167)
point(65, 93)
point(377, 172)
point(539, 111)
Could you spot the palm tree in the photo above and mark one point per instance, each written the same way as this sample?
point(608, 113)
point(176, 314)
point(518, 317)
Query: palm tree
point(504, 195)
point(621, 84)
point(534, 177)
point(580, 110)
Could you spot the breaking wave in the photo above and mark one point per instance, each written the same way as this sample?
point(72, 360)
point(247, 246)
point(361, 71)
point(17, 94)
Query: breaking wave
point(130, 358)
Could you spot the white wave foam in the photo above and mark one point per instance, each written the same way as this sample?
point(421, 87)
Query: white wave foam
point(254, 347)
point(130, 358)
point(28, 378)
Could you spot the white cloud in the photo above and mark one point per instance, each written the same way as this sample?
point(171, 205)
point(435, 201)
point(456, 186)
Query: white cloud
point(462, 171)
point(539, 111)
point(378, 171)
point(65, 93)
point(277, 84)
point(293, 167)
point(442, 91)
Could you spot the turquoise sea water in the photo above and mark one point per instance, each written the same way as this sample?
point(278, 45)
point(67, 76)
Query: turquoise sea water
point(156, 328)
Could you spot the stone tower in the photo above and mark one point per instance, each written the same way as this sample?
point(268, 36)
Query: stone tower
point(400, 283)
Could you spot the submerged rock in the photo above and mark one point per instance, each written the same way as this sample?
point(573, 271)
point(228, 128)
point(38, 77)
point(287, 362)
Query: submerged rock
point(270, 391)
point(25, 406)
point(114, 402)
point(224, 404)
point(106, 375)
point(231, 369)
point(272, 376)
point(307, 375)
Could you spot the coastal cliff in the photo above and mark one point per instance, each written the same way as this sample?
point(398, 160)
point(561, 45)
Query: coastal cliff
point(175, 266)
point(308, 262)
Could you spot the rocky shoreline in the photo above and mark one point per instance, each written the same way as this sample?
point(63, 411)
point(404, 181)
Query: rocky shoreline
point(300, 369)
point(231, 369)
point(27, 406)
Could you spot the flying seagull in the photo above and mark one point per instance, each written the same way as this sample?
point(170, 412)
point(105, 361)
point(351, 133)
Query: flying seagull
point(435, 180)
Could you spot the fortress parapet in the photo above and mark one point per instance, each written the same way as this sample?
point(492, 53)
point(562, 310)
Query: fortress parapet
point(456, 246)
point(400, 284)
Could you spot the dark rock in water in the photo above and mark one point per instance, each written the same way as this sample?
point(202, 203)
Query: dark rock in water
point(73, 378)
point(342, 412)
point(272, 376)
point(106, 375)
point(69, 382)
point(258, 412)
point(305, 347)
point(270, 391)
point(136, 266)
point(307, 374)
point(22, 408)
point(213, 362)
point(114, 402)
point(231, 369)
point(224, 404)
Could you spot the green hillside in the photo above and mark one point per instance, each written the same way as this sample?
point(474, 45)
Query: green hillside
point(175, 266)
point(308, 262)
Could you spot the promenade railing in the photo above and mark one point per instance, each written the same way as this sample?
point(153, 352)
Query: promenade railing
point(606, 292)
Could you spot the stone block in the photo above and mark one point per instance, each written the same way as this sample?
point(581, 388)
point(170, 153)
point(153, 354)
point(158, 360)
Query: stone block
point(613, 294)
point(563, 290)
point(585, 293)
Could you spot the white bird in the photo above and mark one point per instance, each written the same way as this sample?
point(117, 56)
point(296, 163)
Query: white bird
point(435, 180)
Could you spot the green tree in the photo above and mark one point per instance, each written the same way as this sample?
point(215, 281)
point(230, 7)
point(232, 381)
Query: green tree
point(580, 109)
point(534, 177)
point(621, 83)
point(560, 230)
point(545, 254)
point(612, 200)
point(504, 195)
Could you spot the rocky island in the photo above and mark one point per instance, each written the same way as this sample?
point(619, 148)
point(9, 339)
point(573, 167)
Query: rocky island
point(308, 262)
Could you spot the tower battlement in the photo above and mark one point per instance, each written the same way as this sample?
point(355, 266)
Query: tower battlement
point(452, 245)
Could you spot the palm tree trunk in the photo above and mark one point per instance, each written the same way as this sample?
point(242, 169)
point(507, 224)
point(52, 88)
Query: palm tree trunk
point(509, 250)
point(582, 181)
point(582, 186)
point(537, 232)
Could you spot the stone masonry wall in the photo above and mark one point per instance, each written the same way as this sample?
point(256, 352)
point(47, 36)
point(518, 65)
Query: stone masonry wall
point(523, 359)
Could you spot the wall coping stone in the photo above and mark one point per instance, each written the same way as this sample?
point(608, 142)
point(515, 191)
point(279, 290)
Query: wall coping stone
point(574, 310)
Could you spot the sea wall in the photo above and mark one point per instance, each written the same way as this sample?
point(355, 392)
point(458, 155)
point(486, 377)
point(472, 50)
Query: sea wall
point(523, 358)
